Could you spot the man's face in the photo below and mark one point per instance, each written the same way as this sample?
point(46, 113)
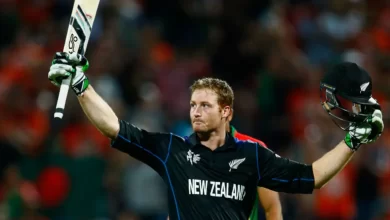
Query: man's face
point(206, 114)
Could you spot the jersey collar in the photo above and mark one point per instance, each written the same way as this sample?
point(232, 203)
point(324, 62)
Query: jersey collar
point(230, 142)
point(233, 130)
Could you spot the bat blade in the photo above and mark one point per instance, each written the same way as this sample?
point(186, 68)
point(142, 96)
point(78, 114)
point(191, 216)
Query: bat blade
point(76, 41)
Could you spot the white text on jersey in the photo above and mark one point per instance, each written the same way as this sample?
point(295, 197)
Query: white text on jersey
point(216, 189)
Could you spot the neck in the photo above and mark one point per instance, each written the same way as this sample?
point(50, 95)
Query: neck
point(213, 140)
point(228, 128)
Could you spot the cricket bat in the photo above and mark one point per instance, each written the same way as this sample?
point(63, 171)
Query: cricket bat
point(79, 31)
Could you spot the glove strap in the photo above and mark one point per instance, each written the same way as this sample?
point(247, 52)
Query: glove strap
point(80, 86)
point(352, 142)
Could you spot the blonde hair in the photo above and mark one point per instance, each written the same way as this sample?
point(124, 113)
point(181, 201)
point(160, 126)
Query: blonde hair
point(220, 87)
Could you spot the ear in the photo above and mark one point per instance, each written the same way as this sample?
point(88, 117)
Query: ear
point(230, 117)
point(227, 112)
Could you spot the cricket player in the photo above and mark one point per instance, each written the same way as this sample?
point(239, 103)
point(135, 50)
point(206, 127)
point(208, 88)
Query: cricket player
point(269, 199)
point(210, 174)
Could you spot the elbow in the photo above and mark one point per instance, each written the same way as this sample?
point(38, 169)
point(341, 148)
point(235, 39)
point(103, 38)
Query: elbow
point(112, 130)
point(113, 134)
point(319, 177)
point(319, 184)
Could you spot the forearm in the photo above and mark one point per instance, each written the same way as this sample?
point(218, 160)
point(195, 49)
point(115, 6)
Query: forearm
point(330, 164)
point(99, 113)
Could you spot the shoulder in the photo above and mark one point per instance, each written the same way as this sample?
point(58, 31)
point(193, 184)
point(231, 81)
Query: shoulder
point(182, 142)
point(178, 138)
point(247, 138)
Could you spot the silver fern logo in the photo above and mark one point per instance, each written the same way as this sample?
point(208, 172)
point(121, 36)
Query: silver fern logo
point(364, 86)
point(235, 163)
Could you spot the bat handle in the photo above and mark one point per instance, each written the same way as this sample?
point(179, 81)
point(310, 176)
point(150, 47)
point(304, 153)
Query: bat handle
point(61, 101)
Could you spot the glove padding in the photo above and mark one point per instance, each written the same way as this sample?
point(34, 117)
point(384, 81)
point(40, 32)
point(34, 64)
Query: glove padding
point(366, 132)
point(73, 65)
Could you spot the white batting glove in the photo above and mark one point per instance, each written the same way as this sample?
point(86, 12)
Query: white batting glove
point(73, 65)
point(366, 132)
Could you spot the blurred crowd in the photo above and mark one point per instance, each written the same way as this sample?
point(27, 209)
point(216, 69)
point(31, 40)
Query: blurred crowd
point(143, 56)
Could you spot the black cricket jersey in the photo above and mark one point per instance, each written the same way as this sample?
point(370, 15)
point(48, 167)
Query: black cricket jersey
point(206, 184)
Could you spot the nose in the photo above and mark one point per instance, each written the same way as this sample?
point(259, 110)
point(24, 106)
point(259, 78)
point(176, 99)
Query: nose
point(197, 113)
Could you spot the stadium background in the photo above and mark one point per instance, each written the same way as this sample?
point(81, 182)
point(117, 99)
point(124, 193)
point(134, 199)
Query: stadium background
point(144, 54)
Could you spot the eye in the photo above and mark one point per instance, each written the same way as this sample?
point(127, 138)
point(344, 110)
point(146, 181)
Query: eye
point(204, 105)
point(192, 105)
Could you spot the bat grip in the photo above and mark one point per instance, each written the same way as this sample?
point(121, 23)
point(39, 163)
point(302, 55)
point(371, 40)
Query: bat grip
point(61, 101)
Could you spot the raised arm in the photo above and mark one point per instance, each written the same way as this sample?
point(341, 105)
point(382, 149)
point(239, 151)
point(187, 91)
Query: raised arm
point(335, 160)
point(331, 163)
point(97, 110)
point(281, 174)
point(150, 148)
point(99, 113)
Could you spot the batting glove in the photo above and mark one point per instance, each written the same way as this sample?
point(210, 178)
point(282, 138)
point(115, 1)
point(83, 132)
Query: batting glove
point(366, 132)
point(73, 65)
